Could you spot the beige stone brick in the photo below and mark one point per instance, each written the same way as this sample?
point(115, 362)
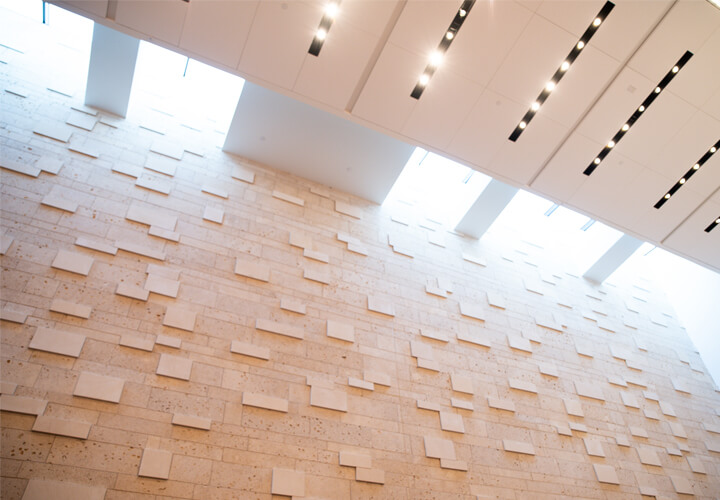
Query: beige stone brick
point(155, 463)
point(164, 233)
point(360, 384)
point(179, 317)
point(500, 404)
point(289, 198)
point(215, 191)
point(519, 343)
point(243, 173)
point(21, 404)
point(151, 216)
point(254, 351)
point(452, 422)
point(341, 331)
point(174, 366)
point(429, 364)
point(318, 275)
point(13, 315)
point(60, 427)
point(347, 209)
point(354, 459)
point(434, 334)
point(377, 377)
point(294, 305)
point(376, 476)
point(94, 386)
point(99, 246)
point(279, 328)
point(462, 404)
point(73, 262)
point(153, 183)
point(70, 308)
point(381, 306)
point(138, 249)
point(57, 341)
point(252, 270)
point(522, 385)
point(132, 291)
point(214, 214)
point(315, 255)
point(682, 485)
point(588, 390)
point(439, 448)
point(328, 398)
point(461, 383)
point(42, 489)
point(460, 465)
point(594, 448)
point(677, 430)
point(476, 338)
point(266, 402)
point(7, 387)
point(638, 431)
point(606, 474)
point(419, 349)
point(168, 341)
point(518, 447)
point(475, 311)
point(696, 465)
point(162, 286)
point(548, 369)
point(191, 421)
point(288, 482)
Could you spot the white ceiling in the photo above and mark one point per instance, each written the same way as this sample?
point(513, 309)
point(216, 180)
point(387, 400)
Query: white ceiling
point(496, 66)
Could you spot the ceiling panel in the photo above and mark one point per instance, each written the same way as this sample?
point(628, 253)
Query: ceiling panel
point(573, 17)
point(533, 60)
point(698, 81)
point(370, 16)
point(422, 25)
point(96, 7)
point(161, 19)
point(690, 238)
point(217, 29)
point(279, 40)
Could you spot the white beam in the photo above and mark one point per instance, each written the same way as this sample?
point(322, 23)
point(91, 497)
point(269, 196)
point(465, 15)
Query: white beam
point(613, 258)
point(111, 71)
point(491, 202)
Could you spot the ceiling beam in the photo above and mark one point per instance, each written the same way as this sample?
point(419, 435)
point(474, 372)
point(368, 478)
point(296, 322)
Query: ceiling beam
point(613, 258)
point(491, 202)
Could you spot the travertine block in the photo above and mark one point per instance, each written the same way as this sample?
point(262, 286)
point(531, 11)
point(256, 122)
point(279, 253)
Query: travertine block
point(451, 422)
point(667, 409)
point(84, 109)
point(85, 148)
point(496, 299)
point(319, 275)
point(55, 199)
point(174, 366)
point(41, 489)
point(573, 407)
point(137, 342)
point(638, 431)
point(19, 167)
point(472, 337)
point(518, 447)
point(294, 305)
point(243, 173)
point(214, 214)
point(522, 385)
point(376, 476)
point(616, 380)
point(315, 255)
point(682, 485)
point(711, 427)
point(95, 245)
point(13, 315)
point(594, 448)
point(428, 364)
point(358, 248)
point(162, 286)
point(420, 350)
point(5, 242)
point(341, 331)
point(380, 306)
point(629, 400)
point(353, 459)
point(168, 341)
point(439, 448)
point(161, 165)
point(179, 317)
point(289, 198)
point(519, 343)
point(428, 405)
point(584, 348)
point(474, 259)
point(576, 426)
point(548, 369)
point(252, 270)
point(263, 401)
point(21, 404)
point(361, 384)
point(254, 351)
point(215, 191)
point(678, 430)
point(548, 320)
point(631, 379)
point(651, 414)
point(155, 463)
point(434, 334)
point(153, 183)
point(279, 328)
point(472, 311)
point(73, 262)
point(563, 429)
point(69, 428)
point(300, 239)
point(152, 216)
point(57, 341)
point(94, 386)
point(7, 387)
point(648, 456)
point(328, 398)
point(589, 390)
point(680, 385)
point(191, 421)
point(462, 384)
point(128, 169)
point(376, 377)
point(460, 465)
point(53, 130)
point(70, 308)
point(347, 209)
point(132, 291)
point(165, 234)
point(622, 440)
point(500, 404)
point(462, 404)
point(167, 148)
point(131, 247)
point(434, 290)
point(288, 482)
point(81, 120)
point(696, 465)
point(606, 474)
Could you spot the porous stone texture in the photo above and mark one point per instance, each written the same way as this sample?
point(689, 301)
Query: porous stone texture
point(191, 402)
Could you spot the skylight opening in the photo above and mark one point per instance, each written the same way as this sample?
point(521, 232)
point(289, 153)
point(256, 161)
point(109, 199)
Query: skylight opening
point(441, 189)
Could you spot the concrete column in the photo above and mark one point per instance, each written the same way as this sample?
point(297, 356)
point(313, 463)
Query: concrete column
point(111, 71)
point(613, 258)
point(491, 202)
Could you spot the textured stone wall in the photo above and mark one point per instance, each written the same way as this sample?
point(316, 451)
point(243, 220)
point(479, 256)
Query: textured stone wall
point(177, 323)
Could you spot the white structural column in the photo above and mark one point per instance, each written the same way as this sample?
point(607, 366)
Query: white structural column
point(491, 202)
point(111, 71)
point(613, 258)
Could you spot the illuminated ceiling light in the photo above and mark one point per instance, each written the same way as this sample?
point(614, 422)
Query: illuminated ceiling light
point(713, 225)
point(438, 55)
point(331, 11)
point(708, 154)
point(596, 161)
point(636, 115)
point(675, 69)
point(522, 125)
point(555, 80)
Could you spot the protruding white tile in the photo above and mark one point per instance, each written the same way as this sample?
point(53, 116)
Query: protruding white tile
point(518, 447)
point(264, 401)
point(214, 214)
point(252, 350)
point(179, 317)
point(174, 366)
point(94, 386)
point(341, 331)
point(73, 262)
point(70, 308)
point(155, 463)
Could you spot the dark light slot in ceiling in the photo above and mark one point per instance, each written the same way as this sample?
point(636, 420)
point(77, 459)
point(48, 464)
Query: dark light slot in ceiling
point(564, 67)
point(437, 56)
point(713, 225)
point(331, 10)
point(688, 174)
point(639, 112)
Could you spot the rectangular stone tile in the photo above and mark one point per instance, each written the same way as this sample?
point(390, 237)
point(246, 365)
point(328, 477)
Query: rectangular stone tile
point(328, 398)
point(341, 331)
point(153, 183)
point(434, 334)
point(682, 485)
point(358, 248)
point(167, 148)
point(589, 390)
point(243, 173)
point(347, 209)
point(85, 148)
point(451, 422)
point(13, 315)
point(17, 91)
point(164, 271)
point(318, 275)
point(162, 286)
point(300, 239)
point(315, 255)
point(522, 385)
point(21, 404)
point(435, 290)
point(288, 482)
point(439, 448)
point(254, 351)
point(651, 414)
point(472, 337)
point(667, 409)
point(132, 291)
point(381, 306)
point(19, 167)
point(55, 199)
point(49, 165)
point(696, 465)
point(518, 447)
point(294, 305)
point(548, 369)
point(496, 299)
point(677, 430)
point(594, 448)
point(428, 405)
point(437, 239)
point(41, 489)
point(361, 384)
point(161, 165)
point(95, 245)
point(5, 242)
point(377, 377)
point(137, 342)
point(266, 402)
point(429, 364)
point(519, 343)
point(126, 168)
point(215, 191)
point(81, 120)
point(573, 407)
point(577, 426)
point(57, 341)
point(354, 459)
point(179, 317)
point(168, 341)
point(638, 431)
point(548, 320)
point(629, 400)
point(616, 380)
point(7, 387)
point(460, 465)
point(461, 383)
point(500, 404)
point(563, 429)
point(622, 440)
point(164, 233)
point(73, 262)
point(252, 270)
point(69, 428)
point(155, 463)
point(376, 476)
point(606, 474)
point(279, 328)
point(214, 214)
point(152, 216)
point(131, 247)
point(174, 366)
point(462, 404)
point(53, 130)
point(84, 109)
point(94, 386)
point(289, 198)
point(648, 456)
point(680, 385)
point(191, 421)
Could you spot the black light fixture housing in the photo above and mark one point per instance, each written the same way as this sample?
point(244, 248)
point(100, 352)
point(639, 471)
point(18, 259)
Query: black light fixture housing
point(447, 39)
point(713, 225)
point(639, 112)
point(688, 174)
point(552, 83)
point(325, 23)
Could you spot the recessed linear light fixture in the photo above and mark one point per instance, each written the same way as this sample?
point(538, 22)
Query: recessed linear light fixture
point(437, 56)
point(331, 10)
point(638, 112)
point(712, 225)
point(688, 174)
point(552, 83)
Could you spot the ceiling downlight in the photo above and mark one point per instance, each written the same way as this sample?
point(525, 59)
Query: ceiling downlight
point(331, 10)
point(686, 177)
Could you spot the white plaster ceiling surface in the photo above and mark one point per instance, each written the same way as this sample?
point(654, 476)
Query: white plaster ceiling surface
point(496, 66)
